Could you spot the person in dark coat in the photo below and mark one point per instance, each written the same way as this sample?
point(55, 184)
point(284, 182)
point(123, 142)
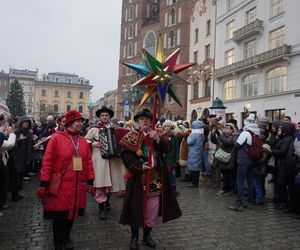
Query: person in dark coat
point(225, 141)
point(172, 158)
point(281, 150)
point(20, 157)
point(141, 205)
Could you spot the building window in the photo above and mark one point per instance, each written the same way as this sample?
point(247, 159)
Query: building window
point(250, 85)
point(196, 56)
point(230, 28)
point(43, 92)
point(129, 50)
point(172, 40)
point(30, 89)
point(81, 81)
point(29, 110)
point(56, 92)
point(131, 13)
point(68, 107)
point(207, 88)
point(150, 42)
point(207, 51)
point(81, 95)
point(277, 38)
point(229, 116)
point(275, 114)
point(55, 107)
point(69, 80)
point(251, 15)
point(171, 2)
point(194, 115)
point(30, 99)
point(229, 90)
point(276, 80)
point(230, 4)
point(250, 49)
point(56, 79)
point(196, 90)
point(229, 57)
point(130, 32)
point(69, 94)
point(208, 28)
point(43, 107)
point(80, 109)
point(277, 7)
point(172, 18)
point(196, 35)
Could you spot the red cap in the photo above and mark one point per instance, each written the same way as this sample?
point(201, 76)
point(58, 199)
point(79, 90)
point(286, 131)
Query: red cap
point(73, 115)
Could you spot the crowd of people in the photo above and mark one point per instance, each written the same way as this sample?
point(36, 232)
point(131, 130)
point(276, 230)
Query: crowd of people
point(238, 161)
point(66, 151)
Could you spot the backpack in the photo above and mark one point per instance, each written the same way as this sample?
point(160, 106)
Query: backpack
point(255, 151)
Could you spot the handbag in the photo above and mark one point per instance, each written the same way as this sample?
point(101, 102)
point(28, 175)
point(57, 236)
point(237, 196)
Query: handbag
point(222, 155)
point(55, 182)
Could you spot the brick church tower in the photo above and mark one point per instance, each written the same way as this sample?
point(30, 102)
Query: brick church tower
point(142, 21)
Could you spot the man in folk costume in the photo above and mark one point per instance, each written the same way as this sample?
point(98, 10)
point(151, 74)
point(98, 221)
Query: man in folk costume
point(109, 173)
point(148, 191)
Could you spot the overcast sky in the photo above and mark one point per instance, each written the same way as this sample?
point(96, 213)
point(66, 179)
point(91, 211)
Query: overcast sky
point(73, 36)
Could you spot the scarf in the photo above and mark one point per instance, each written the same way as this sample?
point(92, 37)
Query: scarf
point(199, 131)
point(104, 125)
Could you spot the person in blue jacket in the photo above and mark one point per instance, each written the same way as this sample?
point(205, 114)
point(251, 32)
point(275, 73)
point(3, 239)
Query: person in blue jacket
point(195, 151)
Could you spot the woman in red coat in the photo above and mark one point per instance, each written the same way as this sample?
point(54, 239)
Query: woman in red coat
point(68, 153)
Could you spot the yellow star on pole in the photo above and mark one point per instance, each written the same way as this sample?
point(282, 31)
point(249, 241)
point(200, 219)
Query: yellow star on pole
point(160, 73)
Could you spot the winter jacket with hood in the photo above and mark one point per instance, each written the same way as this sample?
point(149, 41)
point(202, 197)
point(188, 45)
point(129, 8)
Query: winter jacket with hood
point(22, 152)
point(281, 151)
point(195, 142)
point(244, 141)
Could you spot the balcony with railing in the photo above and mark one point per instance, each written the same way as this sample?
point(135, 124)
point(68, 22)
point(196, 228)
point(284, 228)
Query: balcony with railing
point(258, 60)
point(248, 30)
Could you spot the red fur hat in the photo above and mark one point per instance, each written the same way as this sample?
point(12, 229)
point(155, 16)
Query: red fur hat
point(73, 115)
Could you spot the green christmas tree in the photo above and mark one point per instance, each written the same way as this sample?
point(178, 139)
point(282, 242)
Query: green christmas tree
point(15, 99)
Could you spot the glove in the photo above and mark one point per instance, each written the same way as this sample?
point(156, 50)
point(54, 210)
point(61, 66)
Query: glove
point(41, 192)
point(91, 190)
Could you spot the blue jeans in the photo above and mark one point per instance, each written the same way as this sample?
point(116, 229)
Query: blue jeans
point(206, 163)
point(244, 173)
point(258, 183)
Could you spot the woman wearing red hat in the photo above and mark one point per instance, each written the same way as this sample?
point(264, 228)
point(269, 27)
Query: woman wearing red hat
point(66, 175)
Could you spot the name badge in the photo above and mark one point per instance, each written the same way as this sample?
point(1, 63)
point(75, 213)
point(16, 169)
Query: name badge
point(77, 163)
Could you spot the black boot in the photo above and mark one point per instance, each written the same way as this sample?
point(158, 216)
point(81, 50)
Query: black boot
point(134, 244)
point(14, 196)
point(147, 237)
point(20, 197)
point(68, 244)
point(67, 240)
point(102, 211)
point(107, 204)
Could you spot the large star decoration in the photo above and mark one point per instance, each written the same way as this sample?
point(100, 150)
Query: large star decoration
point(160, 74)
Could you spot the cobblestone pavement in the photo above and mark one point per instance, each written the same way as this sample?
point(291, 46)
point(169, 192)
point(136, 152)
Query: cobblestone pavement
point(206, 224)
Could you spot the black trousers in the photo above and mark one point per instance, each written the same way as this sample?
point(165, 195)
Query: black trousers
point(61, 231)
point(4, 185)
point(195, 177)
point(15, 177)
point(228, 179)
